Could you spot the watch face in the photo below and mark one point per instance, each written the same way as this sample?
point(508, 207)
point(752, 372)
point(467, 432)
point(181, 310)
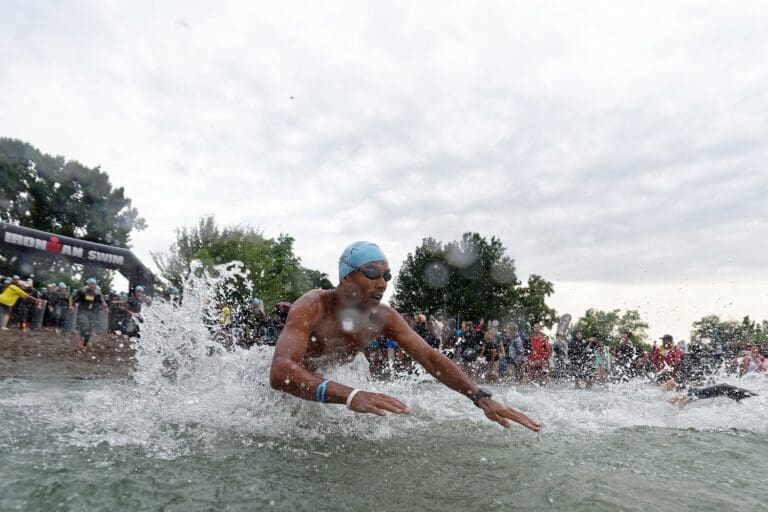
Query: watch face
point(482, 393)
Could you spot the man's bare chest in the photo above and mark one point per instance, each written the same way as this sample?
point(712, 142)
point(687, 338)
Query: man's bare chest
point(343, 336)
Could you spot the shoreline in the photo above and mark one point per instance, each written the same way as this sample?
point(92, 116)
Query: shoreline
point(46, 354)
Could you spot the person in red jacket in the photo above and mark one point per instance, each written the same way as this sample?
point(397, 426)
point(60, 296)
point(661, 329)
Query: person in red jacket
point(667, 358)
point(538, 359)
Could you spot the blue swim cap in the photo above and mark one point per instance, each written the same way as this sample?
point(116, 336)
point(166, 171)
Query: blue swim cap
point(91, 280)
point(358, 254)
point(62, 285)
point(139, 289)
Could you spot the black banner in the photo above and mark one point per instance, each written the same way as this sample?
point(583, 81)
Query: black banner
point(31, 241)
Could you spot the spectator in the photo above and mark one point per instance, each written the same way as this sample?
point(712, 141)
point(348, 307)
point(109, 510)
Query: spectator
point(515, 350)
point(580, 352)
point(625, 357)
point(8, 299)
point(426, 331)
point(438, 328)
point(560, 352)
point(719, 352)
point(491, 350)
point(450, 337)
point(752, 361)
point(467, 342)
point(667, 357)
point(226, 315)
point(23, 307)
point(643, 365)
point(538, 359)
point(602, 361)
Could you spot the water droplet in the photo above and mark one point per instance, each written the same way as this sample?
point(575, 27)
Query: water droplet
point(436, 275)
point(463, 254)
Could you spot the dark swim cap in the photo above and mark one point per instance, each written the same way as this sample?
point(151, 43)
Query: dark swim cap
point(357, 255)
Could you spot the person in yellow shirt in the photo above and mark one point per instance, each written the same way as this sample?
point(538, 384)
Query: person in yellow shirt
point(8, 299)
point(226, 315)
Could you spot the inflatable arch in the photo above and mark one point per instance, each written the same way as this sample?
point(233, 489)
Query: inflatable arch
point(29, 241)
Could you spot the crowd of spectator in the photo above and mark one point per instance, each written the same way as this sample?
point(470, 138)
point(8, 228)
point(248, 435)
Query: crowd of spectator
point(493, 353)
point(58, 307)
point(249, 324)
point(486, 351)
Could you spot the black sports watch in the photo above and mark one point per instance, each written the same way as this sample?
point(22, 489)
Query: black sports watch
point(481, 393)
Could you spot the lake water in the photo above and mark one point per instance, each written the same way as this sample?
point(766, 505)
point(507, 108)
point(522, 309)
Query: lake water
point(100, 444)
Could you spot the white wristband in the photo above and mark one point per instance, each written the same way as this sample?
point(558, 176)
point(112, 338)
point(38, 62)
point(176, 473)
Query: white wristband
point(350, 397)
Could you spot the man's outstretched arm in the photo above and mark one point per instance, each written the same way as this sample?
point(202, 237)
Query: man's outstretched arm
point(287, 374)
point(444, 370)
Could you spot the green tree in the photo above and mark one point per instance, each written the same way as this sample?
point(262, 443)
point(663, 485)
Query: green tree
point(610, 325)
point(315, 279)
point(471, 278)
point(531, 305)
point(273, 272)
point(632, 322)
point(729, 332)
point(62, 196)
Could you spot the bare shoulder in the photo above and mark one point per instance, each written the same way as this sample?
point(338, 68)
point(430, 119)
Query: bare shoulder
point(389, 316)
point(312, 304)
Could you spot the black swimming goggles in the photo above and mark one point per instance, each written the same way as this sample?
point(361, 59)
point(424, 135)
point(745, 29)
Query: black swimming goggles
point(374, 273)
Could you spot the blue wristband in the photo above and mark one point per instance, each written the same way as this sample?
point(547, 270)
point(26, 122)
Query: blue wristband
point(320, 393)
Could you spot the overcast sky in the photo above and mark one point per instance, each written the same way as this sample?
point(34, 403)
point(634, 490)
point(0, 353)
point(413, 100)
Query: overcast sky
point(617, 149)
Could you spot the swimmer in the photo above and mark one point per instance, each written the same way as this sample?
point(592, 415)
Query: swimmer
point(712, 391)
point(331, 326)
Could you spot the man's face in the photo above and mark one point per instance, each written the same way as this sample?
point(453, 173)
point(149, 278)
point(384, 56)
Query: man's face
point(371, 290)
point(91, 286)
point(537, 327)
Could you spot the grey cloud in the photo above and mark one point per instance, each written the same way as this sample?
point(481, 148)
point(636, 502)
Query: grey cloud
point(628, 151)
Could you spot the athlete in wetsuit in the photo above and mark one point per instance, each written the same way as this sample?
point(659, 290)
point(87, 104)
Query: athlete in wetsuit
point(89, 302)
point(712, 391)
point(134, 317)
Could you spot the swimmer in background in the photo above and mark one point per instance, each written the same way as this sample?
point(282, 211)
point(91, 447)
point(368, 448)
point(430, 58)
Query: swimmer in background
point(330, 326)
point(701, 393)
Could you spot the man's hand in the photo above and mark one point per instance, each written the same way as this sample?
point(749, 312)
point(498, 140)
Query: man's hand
point(377, 403)
point(501, 414)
